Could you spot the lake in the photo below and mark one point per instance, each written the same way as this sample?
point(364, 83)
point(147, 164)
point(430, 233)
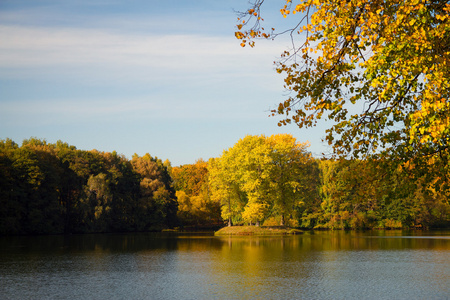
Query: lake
point(315, 265)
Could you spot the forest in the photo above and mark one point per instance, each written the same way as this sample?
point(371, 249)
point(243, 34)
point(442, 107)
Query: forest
point(273, 181)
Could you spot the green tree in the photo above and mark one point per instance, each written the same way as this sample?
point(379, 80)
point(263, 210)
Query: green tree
point(349, 193)
point(98, 203)
point(34, 177)
point(12, 207)
point(54, 188)
point(71, 186)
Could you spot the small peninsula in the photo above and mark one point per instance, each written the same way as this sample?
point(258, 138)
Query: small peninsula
point(257, 230)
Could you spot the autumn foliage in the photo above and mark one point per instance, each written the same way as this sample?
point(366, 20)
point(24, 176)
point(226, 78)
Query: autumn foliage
point(380, 70)
point(261, 180)
point(196, 208)
point(260, 177)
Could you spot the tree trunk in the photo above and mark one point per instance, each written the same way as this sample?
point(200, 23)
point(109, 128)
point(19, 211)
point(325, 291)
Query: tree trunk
point(230, 223)
point(282, 220)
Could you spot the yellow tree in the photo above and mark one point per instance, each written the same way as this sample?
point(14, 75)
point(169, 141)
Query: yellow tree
point(253, 161)
point(288, 174)
point(255, 211)
point(224, 188)
point(260, 176)
point(238, 180)
point(389, 60)
point(184, 205)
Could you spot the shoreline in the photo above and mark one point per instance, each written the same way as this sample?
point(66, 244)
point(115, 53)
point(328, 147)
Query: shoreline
point(256, 230)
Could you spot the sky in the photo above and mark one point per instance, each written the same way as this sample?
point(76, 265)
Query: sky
point(167, 78)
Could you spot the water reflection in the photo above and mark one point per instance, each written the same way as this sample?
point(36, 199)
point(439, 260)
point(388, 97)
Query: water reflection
point(315, 265)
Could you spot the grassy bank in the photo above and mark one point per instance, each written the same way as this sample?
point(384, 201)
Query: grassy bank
point(257, 230)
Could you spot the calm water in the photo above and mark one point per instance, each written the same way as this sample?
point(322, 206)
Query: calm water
point(321, 265)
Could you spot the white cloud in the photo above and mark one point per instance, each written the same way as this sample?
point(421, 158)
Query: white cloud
point(177, 69)
point(27, 47)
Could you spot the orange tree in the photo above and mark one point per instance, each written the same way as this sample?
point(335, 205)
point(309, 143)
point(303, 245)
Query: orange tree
point(195, 206)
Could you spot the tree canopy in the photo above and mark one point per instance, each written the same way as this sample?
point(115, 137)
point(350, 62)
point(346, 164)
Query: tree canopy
point(195, 206)
point(379, 69)
point(56, 188)
point(260, 177)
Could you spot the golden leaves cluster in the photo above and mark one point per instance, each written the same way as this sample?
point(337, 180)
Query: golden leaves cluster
point(393, 56)
point(259, 173)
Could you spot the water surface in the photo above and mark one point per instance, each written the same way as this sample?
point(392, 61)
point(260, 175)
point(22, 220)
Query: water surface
point(315, 265)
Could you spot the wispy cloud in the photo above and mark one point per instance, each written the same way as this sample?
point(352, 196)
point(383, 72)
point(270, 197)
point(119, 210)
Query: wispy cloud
point(174, 67)
point(27, 47)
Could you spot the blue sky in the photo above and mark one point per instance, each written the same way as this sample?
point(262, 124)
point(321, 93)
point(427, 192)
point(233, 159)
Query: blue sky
point(161, 77)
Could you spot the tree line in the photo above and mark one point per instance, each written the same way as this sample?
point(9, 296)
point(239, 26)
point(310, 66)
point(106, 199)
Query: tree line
point(56, 188)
